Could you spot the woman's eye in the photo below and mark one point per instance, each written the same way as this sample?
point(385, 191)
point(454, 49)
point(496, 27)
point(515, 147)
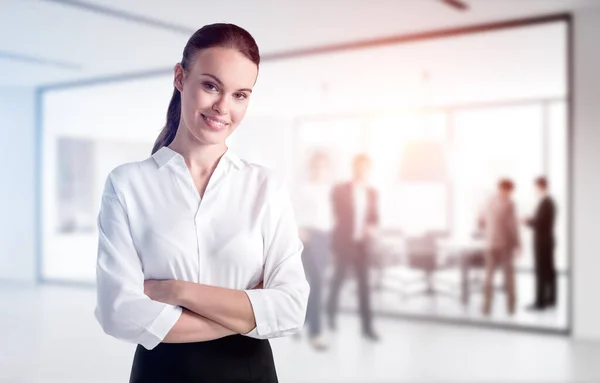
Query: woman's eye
point(240, 96)
point(210, 86)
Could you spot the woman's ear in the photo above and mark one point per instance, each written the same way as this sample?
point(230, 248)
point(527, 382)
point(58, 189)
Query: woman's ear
point(178, 74)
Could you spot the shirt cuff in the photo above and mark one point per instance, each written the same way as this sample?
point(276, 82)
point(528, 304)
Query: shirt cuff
point(161, 326)
point(263, 313)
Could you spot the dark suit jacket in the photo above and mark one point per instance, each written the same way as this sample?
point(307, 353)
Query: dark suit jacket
point(343, 215)
point(543, 223)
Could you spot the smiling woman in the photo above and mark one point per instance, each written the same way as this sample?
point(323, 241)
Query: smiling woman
point(218, 81)
point(199, 255)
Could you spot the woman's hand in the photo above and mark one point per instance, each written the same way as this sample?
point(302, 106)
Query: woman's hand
point(170, 291)
point(166, 291)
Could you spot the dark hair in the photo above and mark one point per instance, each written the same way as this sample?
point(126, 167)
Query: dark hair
point(542, 182)
point(506, 184)
point(209, 36)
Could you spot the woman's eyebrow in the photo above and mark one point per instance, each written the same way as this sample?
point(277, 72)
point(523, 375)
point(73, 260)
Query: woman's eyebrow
point(221, 82)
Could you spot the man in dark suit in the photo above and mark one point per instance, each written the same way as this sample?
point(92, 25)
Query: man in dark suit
point(542, 224)
point(355, 219)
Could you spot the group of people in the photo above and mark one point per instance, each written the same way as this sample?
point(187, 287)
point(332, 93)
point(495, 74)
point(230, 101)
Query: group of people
point(340, 220)
point(500, 225)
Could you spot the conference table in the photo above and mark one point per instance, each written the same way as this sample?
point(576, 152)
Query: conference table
point(466, 253)
point(463, 253)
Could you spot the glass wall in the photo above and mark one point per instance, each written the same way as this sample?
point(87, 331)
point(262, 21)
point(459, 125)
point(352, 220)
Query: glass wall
point(442, 121)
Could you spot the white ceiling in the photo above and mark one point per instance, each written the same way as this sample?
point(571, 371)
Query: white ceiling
point(54, 41)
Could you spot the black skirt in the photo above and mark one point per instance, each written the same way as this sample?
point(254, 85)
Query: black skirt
point(235, 358)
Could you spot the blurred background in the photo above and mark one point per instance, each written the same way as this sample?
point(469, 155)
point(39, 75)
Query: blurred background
point(445, 98)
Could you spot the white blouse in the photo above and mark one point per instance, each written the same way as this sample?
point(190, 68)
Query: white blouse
point(360, 210)
point(154, 225)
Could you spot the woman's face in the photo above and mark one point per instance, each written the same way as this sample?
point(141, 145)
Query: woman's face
point(215, 93)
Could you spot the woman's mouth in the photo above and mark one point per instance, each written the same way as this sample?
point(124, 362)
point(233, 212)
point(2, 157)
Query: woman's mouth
point(214, 123)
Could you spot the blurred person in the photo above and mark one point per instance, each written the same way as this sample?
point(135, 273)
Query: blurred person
point(314, 219)
point(356, 216)
point(199, 258)
point(542, 224)
point(501, 233)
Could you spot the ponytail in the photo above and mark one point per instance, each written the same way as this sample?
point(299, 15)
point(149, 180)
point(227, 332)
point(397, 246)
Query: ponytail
point(169, 131)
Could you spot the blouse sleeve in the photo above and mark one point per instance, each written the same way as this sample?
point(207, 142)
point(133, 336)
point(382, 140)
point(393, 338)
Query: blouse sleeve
point(280, 307)
point(123, 310)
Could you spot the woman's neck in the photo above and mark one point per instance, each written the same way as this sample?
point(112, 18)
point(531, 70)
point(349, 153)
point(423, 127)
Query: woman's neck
point(198, 157)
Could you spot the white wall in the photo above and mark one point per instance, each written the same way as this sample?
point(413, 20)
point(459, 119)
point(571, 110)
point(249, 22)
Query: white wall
point(17, 185)
point(123, 119)
point(586, 177)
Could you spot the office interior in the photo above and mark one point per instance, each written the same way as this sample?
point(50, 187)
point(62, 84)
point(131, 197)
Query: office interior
point(444, 107)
